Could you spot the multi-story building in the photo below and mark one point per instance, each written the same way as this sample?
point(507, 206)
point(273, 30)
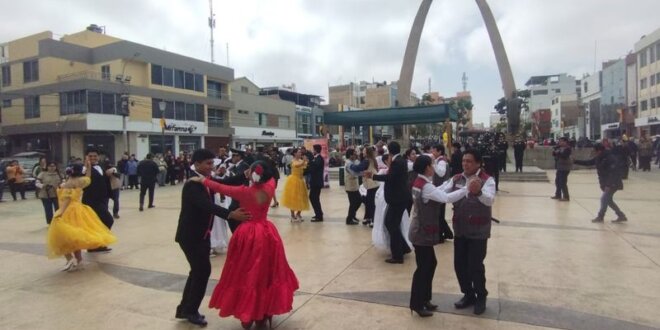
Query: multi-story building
point(590, 100)
point(260, 120)
point(615, 115)
point(544, 89)
point(631, 89)
point(309, 114)
point(648, 76)
point(567, 117)
point(92, 89)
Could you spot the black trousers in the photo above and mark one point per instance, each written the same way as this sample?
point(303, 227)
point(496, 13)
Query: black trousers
point(393, 216)
point(519, 161)
point(143, 190)
point(561, 184)
point(370, 203)
point(314, 199)
point(14, 187)
point(354, 202)
point(469, 255)
point(133, 181)
point(197, 254)
point(50, 206)
point(101, 210)
point(422, 283)
point(445, 231)
point(171, 176)
point(115, 201)
point(233, 224)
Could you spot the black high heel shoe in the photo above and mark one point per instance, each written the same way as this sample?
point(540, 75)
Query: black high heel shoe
point(421, 312)
point(261, 323)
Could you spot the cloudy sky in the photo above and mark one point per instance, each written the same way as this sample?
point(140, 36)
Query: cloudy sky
point(316, 43)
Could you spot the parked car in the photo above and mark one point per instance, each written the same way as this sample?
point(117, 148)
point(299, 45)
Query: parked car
point(28, 160)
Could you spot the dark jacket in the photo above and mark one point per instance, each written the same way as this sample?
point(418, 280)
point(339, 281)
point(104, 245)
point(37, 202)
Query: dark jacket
point(315, 170)
point(397, 191)
point(456, 163)
point(99, 190)
point(197, 211)
point(609, 174)
point(563, 160)
point(148, 171)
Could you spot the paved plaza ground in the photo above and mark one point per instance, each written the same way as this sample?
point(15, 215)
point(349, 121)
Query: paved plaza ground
point(548, 266)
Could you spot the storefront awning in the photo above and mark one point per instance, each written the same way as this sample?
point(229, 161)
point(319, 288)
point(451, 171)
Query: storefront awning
point(392, 116)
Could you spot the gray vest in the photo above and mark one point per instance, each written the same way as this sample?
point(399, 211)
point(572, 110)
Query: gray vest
point(472, 219)
point(424, 225)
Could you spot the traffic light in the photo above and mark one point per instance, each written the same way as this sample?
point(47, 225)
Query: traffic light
point(124, 111)
point(500, 107)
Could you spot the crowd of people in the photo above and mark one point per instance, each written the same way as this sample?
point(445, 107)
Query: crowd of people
point(404, 193)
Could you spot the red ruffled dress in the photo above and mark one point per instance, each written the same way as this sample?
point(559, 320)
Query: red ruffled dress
point(256, 281)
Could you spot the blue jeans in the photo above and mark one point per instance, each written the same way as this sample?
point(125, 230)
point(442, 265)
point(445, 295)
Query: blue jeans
point(50, 205)
point(607, 199)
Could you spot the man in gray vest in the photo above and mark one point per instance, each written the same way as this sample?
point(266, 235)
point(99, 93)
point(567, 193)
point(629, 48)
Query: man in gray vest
point(472, 193)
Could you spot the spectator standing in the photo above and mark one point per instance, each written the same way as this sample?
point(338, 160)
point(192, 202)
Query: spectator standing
point(48, 181)
point(563, 164)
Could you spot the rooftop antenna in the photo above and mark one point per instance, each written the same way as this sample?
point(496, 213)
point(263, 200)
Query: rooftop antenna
point(429, 85)
point(464, 80)
point(211, 26)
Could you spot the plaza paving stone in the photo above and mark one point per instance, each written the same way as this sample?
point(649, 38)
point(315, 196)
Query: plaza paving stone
point(548, 266)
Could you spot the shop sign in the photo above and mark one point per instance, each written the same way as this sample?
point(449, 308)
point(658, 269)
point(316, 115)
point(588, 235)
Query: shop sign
point(267, 133)
point(176, 128)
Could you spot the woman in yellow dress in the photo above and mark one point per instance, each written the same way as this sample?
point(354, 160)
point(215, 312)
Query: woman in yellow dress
point(294, 196)
point(75, 226)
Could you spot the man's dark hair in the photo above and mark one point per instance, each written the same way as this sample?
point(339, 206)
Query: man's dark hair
point(317, 148)
point(150, 156)
point(456, 145)
point(440, 148)
point(201, 155)
point(421, 163)
point(350, 153)
point(426, 148)
point(92, 150)
point(409, 151)
point(393, 148)
point(476, 154)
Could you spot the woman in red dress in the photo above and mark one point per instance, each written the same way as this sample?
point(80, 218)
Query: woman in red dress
point(256, 281)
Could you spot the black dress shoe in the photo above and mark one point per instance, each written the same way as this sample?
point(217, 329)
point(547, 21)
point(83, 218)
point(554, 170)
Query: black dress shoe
point(430, 307)
point(466, 301)
point(151, 206)
point(197, 319)
point(315, 219)
point(179, 313)
point(141, 209)
point(421, 312)
point(480, 306)
point(101, 249)
point(352, 222)
point(394, 261)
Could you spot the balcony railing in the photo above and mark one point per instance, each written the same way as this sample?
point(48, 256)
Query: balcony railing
point(217, 94)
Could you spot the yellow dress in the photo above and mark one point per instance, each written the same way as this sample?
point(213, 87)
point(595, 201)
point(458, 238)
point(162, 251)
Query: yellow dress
point(294, 196)
point(77, 227)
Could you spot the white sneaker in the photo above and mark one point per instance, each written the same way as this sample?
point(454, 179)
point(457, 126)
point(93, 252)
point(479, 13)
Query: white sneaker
point(70, 265)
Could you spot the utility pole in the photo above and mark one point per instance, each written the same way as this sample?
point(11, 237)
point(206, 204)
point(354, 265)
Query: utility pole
point(211, 26)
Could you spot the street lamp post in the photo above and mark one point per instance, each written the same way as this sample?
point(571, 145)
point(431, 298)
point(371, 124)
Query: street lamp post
point(162, 105)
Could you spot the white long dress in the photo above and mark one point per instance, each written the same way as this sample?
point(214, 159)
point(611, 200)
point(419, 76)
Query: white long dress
point(219, 233)
point(379, 234)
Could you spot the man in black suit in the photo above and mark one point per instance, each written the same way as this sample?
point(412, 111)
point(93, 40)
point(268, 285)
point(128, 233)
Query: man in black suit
point(315, 169)
point(98, 193)
point(192, 234)
point(397, 197)
point(148, 171)
point(237, 178)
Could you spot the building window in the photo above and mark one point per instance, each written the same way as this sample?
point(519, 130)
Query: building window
point(644, 105)
point(6, 103)
point(156, 74)
point(243, 112)
point(32, 108)
point(105, 72)
point(6, 75)
point(642, 58)
point(262, 119)
point(189, 81)
point(76, 102)
point(177, 110)
point(586, 87)
point(540, 92)
point(283, 121)
point(657, 51)
point(31, 71)
point(558, 90)
point(652, 103)
point(216, 118)
point(244, 89)
point(652, 80)
point(303, 123)
point(642, 83)
point(179, 77)
point(168, 77)
point(199, 83)
point(214, 89)
point(651, 54)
